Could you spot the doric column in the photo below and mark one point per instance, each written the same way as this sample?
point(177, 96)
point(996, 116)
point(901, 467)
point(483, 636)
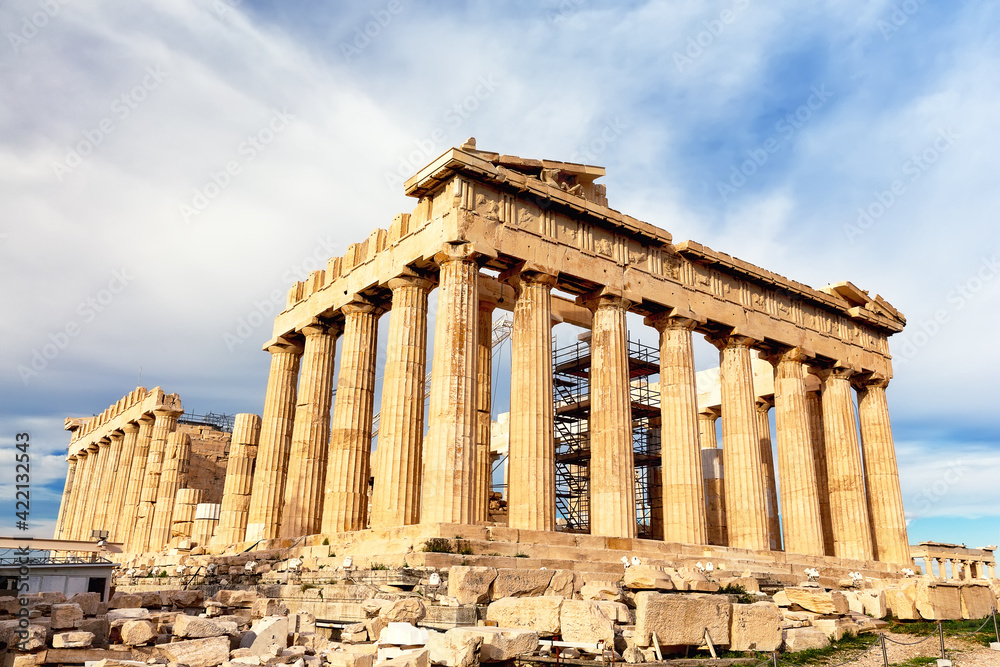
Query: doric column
point(136, 478)
point(683, 490)
point(711, 464)
point(484, 412)
point(852, 533)
point(120, 485)
point(182, 518)
point(746, 505)
point(885, 499)
point(450, 448)
point(707, 437)
point(268, 497)
point(174, 476)
point(396, 494)
point(98, 502)
point(303, 505)
point(239, 479)
point(112, 484)
point(767, 468)
point(83, 476)
point(346, 501)
point(65, 507)
point(800, 502)
point(814, 408)
point(532, 486)
point(612, 469)
point(164, 423)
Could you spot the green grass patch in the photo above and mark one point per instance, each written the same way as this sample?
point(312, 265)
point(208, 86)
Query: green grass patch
point(916, 662)
point(980, 633)
point(438, 545)
point(736, 589)
point(378, 566)
point(521, 556)
point(847, 647)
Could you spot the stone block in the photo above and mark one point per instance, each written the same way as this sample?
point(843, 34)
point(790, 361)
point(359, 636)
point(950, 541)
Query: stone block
point(405, 610)
point(354, 634)
point(470, 585)
point(267, 607)
point(540, 614)
point(563, 583)
point(647, 578)
point(802, 639)
point(66, 615)
point(126, 614)
point(97, 627)
point(818, 600)
point(52, 597)
point(939, 601)
point(186, 599)
point(375, 626)
point(196, 627)
point(836, 628)
point(35, 639)
point(874, 603)
point(755, 627)
point(681, 620)
point(268, 631)
point(453, 649)
point(72, 639)
point(618, 612)
point(137, 633)
point(500, 644)
point(373, 607)
point(600, 591)
point(125, 601)
point(901, 600)
point(402, 634)
point(151, 599)
point(237, 598)
point(977, 601)
point(585, 621)
point(520, 583)
point(349, 659)
point(89, 602)
point(301, 623)
point(207, 652)
point(415, 658)
point(781, 599)
point(854, 602)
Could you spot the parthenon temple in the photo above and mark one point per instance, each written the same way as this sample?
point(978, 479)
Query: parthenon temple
point(490, 233)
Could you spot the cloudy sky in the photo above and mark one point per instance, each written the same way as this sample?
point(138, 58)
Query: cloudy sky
point(169, 168)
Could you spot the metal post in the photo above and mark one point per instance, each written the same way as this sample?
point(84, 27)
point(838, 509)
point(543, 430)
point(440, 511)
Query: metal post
point(885, 653)
point(774, 658)
point(995, 630)
point(941, 634)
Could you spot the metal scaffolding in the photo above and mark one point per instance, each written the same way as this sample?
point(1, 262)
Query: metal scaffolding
point(571, 381)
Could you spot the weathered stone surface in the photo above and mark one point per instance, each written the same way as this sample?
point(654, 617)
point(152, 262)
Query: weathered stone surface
point(268, 631)
point(781, 599)
point(977, 601)
point(373, 607)
point(618, 612)
point(97, 627)
point(939, 601)
point(680, 620)
point(902, 601)
point(151, 599)
point(375, 626)
point(818, 600)
point(125, 601)
point(52, 597)
point(206, 652)
point(402, 634)
point(755, 627)
point(195, 627)
point(186, 598)
point(112, 662)
point(563, 583)
point(415, 658)
point(540, 614)
point(67, 615)
point(137, 632)
point(874, 603)
point(520, 583)
point(126, 614)
point(854, 602)
point(349, 659)
point(801, 639)
point(645, 577)
point(471, 585)
point(501, 644)
point(600, 591)
point(836, 628)
point(406, 610)
point(585, 621)
point(89, 602)
point(267, 607)
point(72, 639)
point(237, 598)
point(354, 634)
point(453, 649)
point(34, 640)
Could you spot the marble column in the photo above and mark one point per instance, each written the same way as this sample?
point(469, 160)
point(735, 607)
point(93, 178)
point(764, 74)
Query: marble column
point(707, 437)
point(104, 473)
point(612, 469)
point(65, 507)
point(112, 484)
point(136, 477)
point(396, 494)
point(767, 468)
point(885, 499)
point(532, 490)
point(683, 490)
point(852, 532)
point(81, 523)
point(122, 476)
point(814, 410)
point(174, 476)
point(746, 504)
point(800, 498)
point(715, 491)
point(346, 501)
point(449, 477)
point(303, 506)
point(182, 518)
point(164, 423)
point(268, 496)
point(238, 487)
point(484, 412)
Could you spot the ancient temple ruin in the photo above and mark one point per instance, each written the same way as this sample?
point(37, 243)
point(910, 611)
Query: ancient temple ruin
point(536, 237)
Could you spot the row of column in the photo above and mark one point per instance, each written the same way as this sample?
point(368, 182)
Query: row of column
point(126, 484)
point(961, 569)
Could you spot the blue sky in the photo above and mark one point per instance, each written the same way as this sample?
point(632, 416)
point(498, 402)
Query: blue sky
point(826, 141)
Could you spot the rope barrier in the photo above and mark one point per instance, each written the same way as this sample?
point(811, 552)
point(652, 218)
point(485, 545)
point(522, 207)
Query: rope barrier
point(927, 638)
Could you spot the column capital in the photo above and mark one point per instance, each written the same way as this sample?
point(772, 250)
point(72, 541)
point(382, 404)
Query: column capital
point(764, 403)
point(285, 345)
point(531, 278)
point(604, 299)
point(167, 412)
point(361, 305)
point(104, 442)
point(835, 372)
point(318, 327)
point(865, 381)
point(456, 252)
point(675, 318)
point(130, 427)
point(799, 355)
point(710, 413)
point(410, 278)
point(732, 340)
